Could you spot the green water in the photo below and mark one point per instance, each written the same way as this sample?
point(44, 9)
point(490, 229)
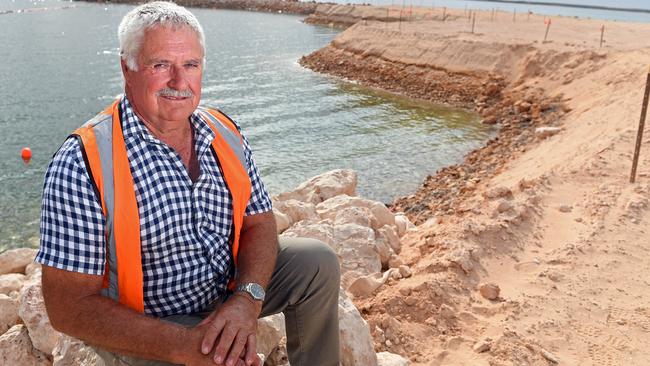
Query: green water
point(60, 67)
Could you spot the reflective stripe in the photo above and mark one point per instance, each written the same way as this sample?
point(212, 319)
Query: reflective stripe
point(103, 131)
point(222, 126)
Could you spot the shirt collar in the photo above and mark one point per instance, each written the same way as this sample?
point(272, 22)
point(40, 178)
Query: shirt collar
point(133, 127)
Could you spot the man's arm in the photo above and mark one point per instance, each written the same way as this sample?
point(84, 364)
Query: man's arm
point(235, 322)
point(76, 307)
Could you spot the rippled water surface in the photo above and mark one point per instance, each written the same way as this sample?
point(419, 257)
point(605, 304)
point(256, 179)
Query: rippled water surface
point(60, 67)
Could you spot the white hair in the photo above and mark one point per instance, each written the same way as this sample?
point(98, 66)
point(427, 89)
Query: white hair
point(146, 16)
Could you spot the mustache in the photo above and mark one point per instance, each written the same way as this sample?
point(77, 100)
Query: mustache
point(169, 92)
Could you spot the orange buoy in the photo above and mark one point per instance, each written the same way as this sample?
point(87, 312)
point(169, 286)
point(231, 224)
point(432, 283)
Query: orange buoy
point(26, 154)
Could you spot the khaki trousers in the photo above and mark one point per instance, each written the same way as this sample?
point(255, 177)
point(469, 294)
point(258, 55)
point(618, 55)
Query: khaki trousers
point(305, 287)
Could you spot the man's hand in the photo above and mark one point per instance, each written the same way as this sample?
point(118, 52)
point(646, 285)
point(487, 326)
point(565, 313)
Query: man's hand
point(194, 357)
point(233, 325)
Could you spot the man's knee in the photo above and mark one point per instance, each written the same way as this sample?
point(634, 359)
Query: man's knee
point(314, 257)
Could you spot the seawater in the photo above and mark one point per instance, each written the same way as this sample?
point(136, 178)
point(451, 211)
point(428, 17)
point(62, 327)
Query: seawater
point(61, 66)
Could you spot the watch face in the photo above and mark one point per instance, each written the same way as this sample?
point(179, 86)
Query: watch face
point(256, 290)
point(253, 289)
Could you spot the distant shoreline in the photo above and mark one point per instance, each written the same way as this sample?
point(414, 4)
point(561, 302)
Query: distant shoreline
point(579, 6)
point(268, 6)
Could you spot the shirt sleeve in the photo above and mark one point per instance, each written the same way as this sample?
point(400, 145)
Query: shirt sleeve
point(72, 222)
point(260, 200)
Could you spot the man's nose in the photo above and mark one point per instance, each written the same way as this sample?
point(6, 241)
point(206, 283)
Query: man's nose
point(177, 78)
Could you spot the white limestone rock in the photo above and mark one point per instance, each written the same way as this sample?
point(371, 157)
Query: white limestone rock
point(357, 249)
point(8, 313)
point(391, 359)
point(15, 260)
point(11, 282)
point(32, 270)
point(296, 210)
point(353, 232)
point(382, 215)
point(353, 215)
point(356, 342)
point(330, 208)
point(366, 285)
point(279, 355)
point(388, 234)
point(282, 221)
point(546, 131)
point(402, 224)
point(324, 186)
point(73, 352)
point(384, 250)
point(379, 214)
point(32, 312)
point(270, 331)
point(16, 349)
point(322, 231)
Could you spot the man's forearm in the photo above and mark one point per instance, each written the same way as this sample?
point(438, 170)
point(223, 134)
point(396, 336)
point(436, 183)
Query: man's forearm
point(102, 322)
point(105, 323)
point(258, 250)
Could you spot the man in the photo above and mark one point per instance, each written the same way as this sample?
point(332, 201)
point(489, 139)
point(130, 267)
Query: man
point(158, 241)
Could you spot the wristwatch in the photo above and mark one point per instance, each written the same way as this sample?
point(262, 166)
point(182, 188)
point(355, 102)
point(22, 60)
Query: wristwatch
point(255, 290)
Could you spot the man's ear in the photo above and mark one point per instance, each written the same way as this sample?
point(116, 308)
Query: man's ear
point(125, 70)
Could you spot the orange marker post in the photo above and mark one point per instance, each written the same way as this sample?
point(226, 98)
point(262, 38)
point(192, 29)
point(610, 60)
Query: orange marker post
point(602, 35)
point(548, 26)
point(639, 135)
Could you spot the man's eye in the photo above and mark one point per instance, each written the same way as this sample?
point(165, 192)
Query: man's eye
point(159, 66)
point(192, 66)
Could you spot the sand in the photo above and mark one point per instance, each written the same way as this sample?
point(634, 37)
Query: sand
point(551, 220)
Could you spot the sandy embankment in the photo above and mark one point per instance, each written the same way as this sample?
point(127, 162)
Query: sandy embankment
point(552, 220)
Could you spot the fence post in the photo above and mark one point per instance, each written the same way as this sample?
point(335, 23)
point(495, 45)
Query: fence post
point(639, 135)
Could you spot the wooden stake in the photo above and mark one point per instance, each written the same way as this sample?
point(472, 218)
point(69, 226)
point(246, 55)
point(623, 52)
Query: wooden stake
point(473, 22)
point(514, 15)
point(639, 135)
point(400, 20)
point(444, 13)
point(548, 26)
point(602, 35)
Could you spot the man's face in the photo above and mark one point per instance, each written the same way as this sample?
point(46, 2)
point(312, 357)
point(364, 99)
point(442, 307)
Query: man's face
point(167, 86)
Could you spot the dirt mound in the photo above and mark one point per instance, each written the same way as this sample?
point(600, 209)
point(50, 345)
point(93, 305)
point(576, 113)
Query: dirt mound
point(543, 214)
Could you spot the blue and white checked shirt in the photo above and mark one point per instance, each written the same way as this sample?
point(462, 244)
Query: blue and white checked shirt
point(184, 226)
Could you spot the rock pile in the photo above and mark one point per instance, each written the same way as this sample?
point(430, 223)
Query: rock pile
point(365, 234)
